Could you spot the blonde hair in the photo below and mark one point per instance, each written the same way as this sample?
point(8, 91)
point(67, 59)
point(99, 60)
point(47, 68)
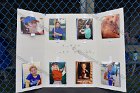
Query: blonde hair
point(33, 66)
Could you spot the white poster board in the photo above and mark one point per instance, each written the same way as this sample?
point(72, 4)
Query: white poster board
point(84, 50)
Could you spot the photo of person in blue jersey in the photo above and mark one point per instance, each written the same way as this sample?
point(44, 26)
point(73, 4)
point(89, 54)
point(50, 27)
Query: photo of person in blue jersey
point(57, 29)
point(110, 73)
point(31, 75)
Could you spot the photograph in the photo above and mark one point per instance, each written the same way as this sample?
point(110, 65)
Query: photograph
point(110, 74)
point(57, 29)
point(84, 28)
point(32, 25)
point(110, 26)
point(84, 72)
point(31, 75)
point(57, 73)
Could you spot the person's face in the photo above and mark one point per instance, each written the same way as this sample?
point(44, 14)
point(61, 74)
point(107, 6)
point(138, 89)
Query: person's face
point(57, 25)
point(32, 24)
point(87, 26)
point(55, 67)
point(109, 68)
point(83, 66)
point(34, 71)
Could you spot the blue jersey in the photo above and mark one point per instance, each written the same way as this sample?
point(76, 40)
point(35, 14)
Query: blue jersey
point(33, 81)
point(58, 30)
point(110, 78)
point(114, 70)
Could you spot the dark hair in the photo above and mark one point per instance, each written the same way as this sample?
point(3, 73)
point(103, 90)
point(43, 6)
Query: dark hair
point(87, 24)
point(57, 22)
point(54, 63)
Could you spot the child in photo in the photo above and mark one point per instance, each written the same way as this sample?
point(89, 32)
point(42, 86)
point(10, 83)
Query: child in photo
point(110, 26)
point(111, 74)
point(57, 29)
point(33, 78)
point(108, 76)
point(84, 28)
point(86, 32)
point(84, 73)
point(58, 73)
point(29, 25)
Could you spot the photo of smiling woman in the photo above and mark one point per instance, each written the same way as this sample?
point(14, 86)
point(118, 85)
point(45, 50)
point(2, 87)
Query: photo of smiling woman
point(57, 29)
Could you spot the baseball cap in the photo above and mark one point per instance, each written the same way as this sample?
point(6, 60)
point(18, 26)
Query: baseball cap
point(29, 19)
point(54, 63)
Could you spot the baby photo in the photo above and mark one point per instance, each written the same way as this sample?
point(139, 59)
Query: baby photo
point(32, 25)
point(84, 73)
point(31, 75)
point(84, 28)
point(57, 29)
point(57, 72)
point(110, 26)
point(110, 74)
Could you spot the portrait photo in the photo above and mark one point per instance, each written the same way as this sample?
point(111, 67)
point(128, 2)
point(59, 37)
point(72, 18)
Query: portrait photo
point(31, 75)
point(57, 29)
point(57, 72)
point(110, 74)
point(32, 25)
point(84, 28)
point(84, 72)
point(110, 26)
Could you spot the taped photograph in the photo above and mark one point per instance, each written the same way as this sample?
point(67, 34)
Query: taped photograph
point(57, 72)
point(110, 26)
point(32, 24)
point(110, 74)
point(57, 29)
point(84, 72)
point(84, 28)
point(31, 75)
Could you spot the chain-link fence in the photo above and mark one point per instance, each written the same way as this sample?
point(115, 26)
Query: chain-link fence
point(8, 14)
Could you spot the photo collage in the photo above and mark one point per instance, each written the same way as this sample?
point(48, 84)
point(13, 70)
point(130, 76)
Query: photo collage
point(110, 27)
point(39, 35)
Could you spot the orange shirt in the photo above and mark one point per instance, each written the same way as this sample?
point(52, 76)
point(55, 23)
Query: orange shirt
point(105, 76)
point(57, 75)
